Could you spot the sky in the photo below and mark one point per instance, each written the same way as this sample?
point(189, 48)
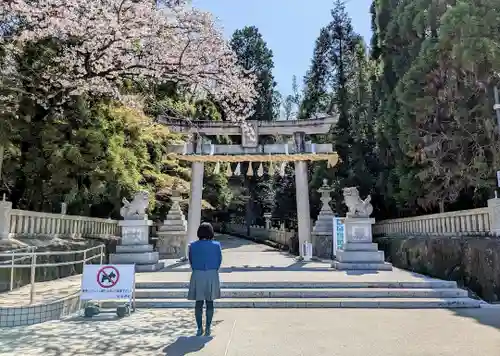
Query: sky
point(290, 28)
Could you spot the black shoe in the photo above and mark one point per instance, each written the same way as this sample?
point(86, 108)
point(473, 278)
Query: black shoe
point(199, 332)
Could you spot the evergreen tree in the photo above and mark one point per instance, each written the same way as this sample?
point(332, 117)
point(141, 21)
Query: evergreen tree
point(339, 63)
point(434, 128)
point(316, 97)
point(254, 56)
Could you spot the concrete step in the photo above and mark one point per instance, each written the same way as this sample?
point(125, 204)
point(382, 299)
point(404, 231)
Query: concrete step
point(360, 256)
point(361, 246)
point(387, 303)
point(425, 284)
point(140, 258)
point(150, 267)
point(120, 249)
point(361, 266)
point(311, 293)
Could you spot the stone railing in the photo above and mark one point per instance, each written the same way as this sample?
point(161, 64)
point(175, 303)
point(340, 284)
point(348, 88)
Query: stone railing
point(278, 235)
point(22, 223)
point(473, 222)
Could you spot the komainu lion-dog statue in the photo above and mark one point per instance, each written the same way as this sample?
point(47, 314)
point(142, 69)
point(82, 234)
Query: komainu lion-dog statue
point(357, 208)
point(136, 209)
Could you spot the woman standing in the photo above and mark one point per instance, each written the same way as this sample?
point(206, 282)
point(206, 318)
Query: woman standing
point(205, 257)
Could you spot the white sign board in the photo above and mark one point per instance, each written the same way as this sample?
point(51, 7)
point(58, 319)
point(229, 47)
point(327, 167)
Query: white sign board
point(338, 234)
point(108, 282)
point(498, 179)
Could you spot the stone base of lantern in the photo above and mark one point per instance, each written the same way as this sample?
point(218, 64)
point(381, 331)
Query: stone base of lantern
point(322, 234)
point(172, 234)
point(134, 247)
point(171, 244)
point(322, 244)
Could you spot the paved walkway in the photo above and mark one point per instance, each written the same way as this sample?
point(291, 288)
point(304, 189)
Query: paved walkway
point(243, 261)
point(239, 332)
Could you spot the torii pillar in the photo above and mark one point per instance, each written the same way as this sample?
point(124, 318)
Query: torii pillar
point(302, 194)
point(195, 196)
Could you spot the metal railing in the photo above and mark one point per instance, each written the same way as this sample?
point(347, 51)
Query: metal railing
point(30, 252)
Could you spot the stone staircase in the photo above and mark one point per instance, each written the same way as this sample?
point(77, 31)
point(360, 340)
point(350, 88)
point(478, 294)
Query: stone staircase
point(361, 256)
point(403, 295)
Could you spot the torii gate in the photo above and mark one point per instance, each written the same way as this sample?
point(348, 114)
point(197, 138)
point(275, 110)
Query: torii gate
point(300, 152)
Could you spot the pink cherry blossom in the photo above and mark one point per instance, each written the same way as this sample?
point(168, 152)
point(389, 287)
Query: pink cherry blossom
point(107, 41)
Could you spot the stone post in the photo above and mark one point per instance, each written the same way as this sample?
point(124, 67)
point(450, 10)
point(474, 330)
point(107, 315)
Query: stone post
point(194, 214)
point(64, 208)
point(494, 215)
point(268, 217)
point(5, 210)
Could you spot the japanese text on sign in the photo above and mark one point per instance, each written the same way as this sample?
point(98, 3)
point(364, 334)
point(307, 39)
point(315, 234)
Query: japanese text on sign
point(108, 282)
point(338, 234)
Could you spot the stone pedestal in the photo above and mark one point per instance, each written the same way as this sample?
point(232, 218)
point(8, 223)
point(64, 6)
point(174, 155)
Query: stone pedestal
point(134, 247)
point(172, 234)
point(5, 211)
point(322, 233)
point(494, 215)
point(359, 252)
point(267, 217)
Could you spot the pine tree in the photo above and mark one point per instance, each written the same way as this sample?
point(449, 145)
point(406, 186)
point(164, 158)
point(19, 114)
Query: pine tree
point(315, 97)
point(254, 55)
point(340, 56)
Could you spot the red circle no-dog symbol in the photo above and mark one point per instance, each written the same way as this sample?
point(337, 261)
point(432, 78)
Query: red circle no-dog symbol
point(108, 276)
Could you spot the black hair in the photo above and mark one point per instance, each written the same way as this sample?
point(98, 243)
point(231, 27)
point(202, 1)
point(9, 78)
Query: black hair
point(205, 231)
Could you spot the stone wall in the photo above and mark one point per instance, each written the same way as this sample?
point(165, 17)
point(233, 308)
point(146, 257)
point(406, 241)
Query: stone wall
point(473, 262)
point(34, 314)
point(22, 275)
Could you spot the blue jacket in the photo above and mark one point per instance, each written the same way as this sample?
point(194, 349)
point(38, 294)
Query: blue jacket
point(205, 255)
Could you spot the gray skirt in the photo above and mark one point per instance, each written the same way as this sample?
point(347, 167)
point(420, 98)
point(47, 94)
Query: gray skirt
point(204, 285)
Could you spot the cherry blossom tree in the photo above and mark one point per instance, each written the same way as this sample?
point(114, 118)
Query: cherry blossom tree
point(100, 43)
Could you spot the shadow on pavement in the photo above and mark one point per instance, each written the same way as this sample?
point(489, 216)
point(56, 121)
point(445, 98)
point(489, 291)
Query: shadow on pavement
point(485, 316)
point(186, 345)
point(146, 332)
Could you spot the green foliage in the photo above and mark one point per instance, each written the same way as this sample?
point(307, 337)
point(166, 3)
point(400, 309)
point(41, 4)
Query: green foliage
point(338, 83)
point(434, 125)
point(90, 156)
point(415, 125)
point(254, 55)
